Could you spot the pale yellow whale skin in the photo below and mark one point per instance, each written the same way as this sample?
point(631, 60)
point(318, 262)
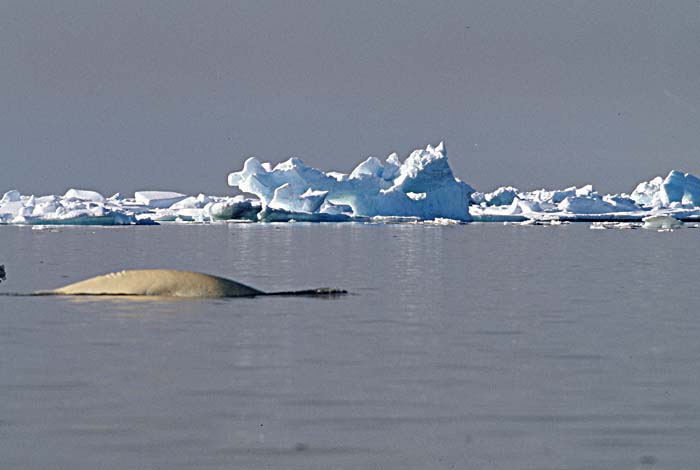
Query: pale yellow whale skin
point(158, 282)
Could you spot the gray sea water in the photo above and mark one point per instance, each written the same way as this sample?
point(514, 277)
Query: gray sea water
point(471, 347)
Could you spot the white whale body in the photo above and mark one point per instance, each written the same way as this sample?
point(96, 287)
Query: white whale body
point(172, 283)
point(158, 282)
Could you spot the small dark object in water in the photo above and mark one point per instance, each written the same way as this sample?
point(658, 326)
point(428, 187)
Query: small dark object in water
point(319, 292)
point(3, 274)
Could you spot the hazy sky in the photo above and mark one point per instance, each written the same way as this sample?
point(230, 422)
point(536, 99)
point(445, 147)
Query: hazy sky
point(168, 94)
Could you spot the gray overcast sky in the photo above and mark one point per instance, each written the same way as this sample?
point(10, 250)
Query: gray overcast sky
point(167, 94)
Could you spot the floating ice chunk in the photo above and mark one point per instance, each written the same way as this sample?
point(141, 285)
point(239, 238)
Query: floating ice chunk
point(256, 179)
point(84, 195)
point(158, 199)
point(661, 222)
point(677, 188)
point(424, 171)
point(442, 221)
point(613, 225)
point(423, 186)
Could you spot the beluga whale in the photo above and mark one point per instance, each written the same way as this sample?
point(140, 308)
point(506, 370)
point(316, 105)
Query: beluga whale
point(172, 283)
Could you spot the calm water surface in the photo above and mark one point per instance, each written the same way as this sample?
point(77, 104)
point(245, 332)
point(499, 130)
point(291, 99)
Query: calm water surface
point(469, 347)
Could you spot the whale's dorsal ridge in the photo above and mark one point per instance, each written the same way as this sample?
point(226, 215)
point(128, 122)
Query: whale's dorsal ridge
point(159, 282)
point(173, 283)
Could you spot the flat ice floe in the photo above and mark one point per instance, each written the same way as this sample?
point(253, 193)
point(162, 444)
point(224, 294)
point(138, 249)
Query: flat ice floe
point(421, 189)
point(83, 207)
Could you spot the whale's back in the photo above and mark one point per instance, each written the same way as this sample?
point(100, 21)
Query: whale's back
point(159, 282)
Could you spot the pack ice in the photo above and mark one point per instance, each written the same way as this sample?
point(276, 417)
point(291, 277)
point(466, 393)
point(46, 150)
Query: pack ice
point(85, 207)
point(421, 188)
point(677, 196)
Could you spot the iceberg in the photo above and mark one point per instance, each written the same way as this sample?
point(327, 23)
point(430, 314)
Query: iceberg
point(679, 188)
point(423, 186)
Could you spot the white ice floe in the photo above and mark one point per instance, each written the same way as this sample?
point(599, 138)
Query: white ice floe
point(81, 207)
point(614, 225)
point(677, 187)
point(661, 222)
point(423, 186)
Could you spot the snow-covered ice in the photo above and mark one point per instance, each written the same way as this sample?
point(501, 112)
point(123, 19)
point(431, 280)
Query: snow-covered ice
point(677, 187)
point(422, 186)
point(421, 189)
point(81, 207)
point(661, 222)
